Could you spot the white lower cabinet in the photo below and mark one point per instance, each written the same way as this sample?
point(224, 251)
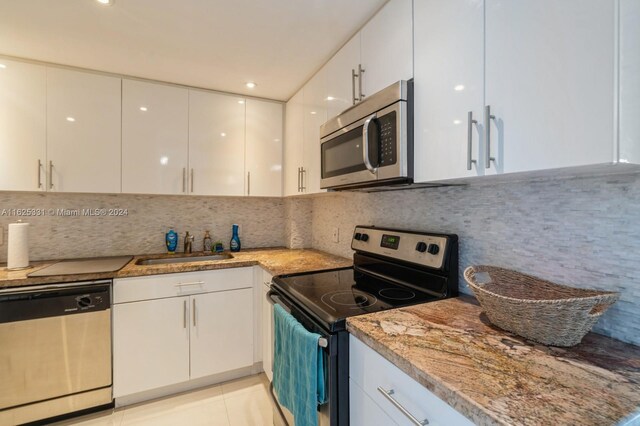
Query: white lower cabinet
point(362, 409)
point(170, 329)
point(393, 392)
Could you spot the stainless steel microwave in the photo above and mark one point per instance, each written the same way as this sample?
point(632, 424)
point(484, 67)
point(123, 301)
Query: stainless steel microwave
point(371, 143)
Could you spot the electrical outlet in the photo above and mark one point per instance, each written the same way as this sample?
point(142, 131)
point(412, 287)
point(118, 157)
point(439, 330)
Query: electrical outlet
point(336, 235)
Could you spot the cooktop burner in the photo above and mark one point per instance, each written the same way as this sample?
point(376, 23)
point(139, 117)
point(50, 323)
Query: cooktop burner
point(354, 299)
point(397, 294)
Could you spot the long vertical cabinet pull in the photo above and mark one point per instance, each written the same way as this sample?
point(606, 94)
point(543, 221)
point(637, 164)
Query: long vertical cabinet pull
point(191, 180)
point(248, 183)
point(487, 136)
point(360, 72)
point(184, 179)
point(353, 87)
point(39, 173)
point(303, 173)
point(470, 123)
point(194, 312)
point(184, 314)
point(299, 179)
point(50, 174)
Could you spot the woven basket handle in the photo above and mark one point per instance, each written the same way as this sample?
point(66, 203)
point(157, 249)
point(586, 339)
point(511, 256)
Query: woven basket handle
point(602, 305)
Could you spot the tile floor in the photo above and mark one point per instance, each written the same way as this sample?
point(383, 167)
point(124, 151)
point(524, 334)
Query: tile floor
point(239, 402)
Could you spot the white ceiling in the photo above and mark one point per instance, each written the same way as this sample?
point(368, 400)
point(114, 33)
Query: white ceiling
point(216, 44)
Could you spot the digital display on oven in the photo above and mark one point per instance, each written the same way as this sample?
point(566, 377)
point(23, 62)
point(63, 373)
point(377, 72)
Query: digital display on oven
point(390, 241)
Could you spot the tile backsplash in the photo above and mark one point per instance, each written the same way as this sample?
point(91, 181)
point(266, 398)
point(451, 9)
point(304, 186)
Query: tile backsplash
point(583, 232)
point(142, 229)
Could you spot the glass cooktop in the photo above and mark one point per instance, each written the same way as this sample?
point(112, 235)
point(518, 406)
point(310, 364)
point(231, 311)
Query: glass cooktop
point(333, 296)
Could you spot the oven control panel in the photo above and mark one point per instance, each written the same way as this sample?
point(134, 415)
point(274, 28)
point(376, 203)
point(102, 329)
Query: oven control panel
point(421, 248)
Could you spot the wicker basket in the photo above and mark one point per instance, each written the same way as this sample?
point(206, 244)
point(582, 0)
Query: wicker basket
point(536, 309)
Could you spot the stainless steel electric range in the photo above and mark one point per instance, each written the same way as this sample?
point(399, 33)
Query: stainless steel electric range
point(391, 268)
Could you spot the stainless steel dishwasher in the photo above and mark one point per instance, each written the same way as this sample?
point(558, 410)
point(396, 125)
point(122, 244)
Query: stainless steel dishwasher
point(55, 350)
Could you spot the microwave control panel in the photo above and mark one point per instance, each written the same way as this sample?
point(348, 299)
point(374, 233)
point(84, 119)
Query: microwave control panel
point(387, 138)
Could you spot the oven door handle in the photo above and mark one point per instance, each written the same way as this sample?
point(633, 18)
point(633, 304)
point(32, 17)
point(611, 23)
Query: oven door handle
point(274, 299)
point(365, 144)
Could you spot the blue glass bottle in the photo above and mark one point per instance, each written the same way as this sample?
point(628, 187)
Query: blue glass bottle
point(171, 239)
point(235, 240)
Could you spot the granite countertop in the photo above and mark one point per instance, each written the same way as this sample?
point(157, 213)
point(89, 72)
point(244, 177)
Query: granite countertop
point(277, 261)
point(494, 377)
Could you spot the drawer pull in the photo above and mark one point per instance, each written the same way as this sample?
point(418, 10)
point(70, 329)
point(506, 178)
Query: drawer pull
point(388, 394)
point(193, 283)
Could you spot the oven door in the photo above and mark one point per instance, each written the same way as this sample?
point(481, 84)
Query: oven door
point(369, 150)
point(335, 411)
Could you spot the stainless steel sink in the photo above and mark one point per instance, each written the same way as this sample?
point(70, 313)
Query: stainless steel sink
point(183, 259)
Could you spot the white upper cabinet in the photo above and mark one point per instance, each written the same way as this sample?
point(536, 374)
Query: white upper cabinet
point(216, 144)
point(315, 114)
point(341, 80)
point(449, 89)
point(293, 141)
point(154, 138)
point(23, 107)
point(630, 81)
point(83, 131)
point(264, 148)
point(387, 46)
point(549, 83)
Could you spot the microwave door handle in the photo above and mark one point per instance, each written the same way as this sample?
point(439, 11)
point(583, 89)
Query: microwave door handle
point(365, 144)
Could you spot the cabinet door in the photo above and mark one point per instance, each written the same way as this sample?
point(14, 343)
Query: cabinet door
point(550, 83)
point(294, 136)
point(629, 81)
point(216, 144)
point(150, 344)
point(387, 46)
point(449, 84)
point(221, 332)
point(264, 148)
point(154, 138)
point(315, 114)
point(363, 411)
point(341, 88)
point(23, 102)
point(83, 131)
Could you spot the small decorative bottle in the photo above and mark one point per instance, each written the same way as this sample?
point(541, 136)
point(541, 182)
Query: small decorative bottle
point(235, 239)
point(171, 238)
point(206, 242)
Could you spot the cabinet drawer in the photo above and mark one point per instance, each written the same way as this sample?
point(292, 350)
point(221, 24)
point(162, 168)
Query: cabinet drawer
point(172, 285)
point(371, 371)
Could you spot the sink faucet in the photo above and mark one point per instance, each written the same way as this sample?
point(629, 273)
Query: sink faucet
point(188, 243)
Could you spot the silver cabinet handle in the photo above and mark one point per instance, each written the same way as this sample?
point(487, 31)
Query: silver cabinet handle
point(487, 136)
point(248, 183)
point(194, 312)
point(50, 174)
point(303, 173)
point(388, 394)
point(39, 174)
point(184, 179)
point(353, 87)
point(191, 283)
point(365, 144)
point(298, 179)
point(470, 123)
point(360, 72)
point(184, 314)
point(191, 179)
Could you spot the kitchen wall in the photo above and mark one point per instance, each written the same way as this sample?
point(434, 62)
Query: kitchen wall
point(583, 232)
point(142, 230)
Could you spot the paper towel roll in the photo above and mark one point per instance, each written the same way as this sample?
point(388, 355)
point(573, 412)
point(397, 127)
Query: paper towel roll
point(18, 253)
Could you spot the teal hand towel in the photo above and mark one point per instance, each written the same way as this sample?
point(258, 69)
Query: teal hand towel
point(298, 368)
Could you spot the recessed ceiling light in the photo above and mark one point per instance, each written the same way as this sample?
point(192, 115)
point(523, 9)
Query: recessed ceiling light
point(71, 119)
point(276, 140)
point(459, 88)
point(143, 108)
point(457, 121)
point(313, 113)
point(240, 102)
point(105, 2)
point(251, 84)
point(3, 66)
point(164, 160)
point(330, 98)
point(223, 134)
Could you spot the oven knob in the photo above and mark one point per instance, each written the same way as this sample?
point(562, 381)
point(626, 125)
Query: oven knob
point(358, 236)
point(421, 247)
point(364, 237)
point(433, 248)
